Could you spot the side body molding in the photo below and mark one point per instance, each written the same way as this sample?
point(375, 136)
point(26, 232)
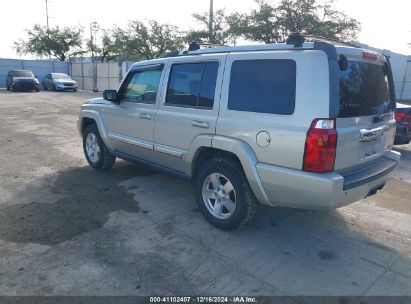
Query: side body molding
point(95, 115)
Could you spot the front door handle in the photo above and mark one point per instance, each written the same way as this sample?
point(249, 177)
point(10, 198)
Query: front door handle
point(200, 124)
point(144, 115)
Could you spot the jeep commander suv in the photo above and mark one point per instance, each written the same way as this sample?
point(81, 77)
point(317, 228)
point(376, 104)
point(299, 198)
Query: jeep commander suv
point(306, 124)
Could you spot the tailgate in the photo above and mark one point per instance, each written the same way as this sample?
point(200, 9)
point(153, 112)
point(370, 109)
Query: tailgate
point(361, 140)
point(365, 124)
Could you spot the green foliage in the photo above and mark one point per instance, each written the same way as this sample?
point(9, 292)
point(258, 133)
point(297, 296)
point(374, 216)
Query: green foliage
point(147, 41)
point(308, 17)
point(221, 33)
point(57, 42)
point(270, 24)
point(260, 24)
point(103, 45)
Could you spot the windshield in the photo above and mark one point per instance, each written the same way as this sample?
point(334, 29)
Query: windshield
point(364, 90)
point(61, 76)
point(22, 74)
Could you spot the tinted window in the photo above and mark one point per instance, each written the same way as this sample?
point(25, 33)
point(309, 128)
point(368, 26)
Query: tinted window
point(364, 90)
point(22, 73)
point(192, 84)
point(142, 86)
point(263, 86)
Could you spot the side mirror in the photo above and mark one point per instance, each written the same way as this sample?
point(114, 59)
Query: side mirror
point(110, 95)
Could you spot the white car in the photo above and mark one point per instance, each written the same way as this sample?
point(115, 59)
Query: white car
point(59, 82)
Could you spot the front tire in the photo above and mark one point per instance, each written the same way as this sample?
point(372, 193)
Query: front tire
point(224, 195)
point(96, 152)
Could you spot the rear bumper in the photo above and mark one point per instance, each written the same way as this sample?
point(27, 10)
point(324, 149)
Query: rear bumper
point(296, 188)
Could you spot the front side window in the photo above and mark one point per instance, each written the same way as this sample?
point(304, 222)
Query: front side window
point(142, 86)
point(192, 85)
point(263, 86)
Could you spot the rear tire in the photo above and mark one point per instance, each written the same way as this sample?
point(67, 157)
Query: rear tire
point(96, 152)
point(44, 87)
point(13, 88)
point(224, 195)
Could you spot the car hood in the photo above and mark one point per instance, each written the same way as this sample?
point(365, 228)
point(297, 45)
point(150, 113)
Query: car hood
point(98, 100)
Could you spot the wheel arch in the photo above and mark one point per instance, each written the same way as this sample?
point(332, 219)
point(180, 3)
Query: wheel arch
point(88, 117)
point(231, 148)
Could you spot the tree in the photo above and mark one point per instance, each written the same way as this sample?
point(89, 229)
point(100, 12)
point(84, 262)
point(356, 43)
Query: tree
point(260, 24)
point(102, 43)
point(221, 33)
point(60, 43)
point(147, 41)
point(270, 24)
point(308, 17)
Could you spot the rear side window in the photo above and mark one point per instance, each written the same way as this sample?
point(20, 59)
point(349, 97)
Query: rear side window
point(192, 85)
point(263, 86)
point(364, 90)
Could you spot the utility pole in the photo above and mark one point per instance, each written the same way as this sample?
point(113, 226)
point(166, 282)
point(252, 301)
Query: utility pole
point(93, 27)
point(47, 14)
point(211, 24)
point(47, 22)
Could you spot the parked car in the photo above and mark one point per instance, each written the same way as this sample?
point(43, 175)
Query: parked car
point(22, 80)
point(280, 124)
point(403, 118)
point(59, 82)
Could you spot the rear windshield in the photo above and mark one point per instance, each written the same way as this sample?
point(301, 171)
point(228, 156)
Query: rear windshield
point(21, 74)
point(364, 90)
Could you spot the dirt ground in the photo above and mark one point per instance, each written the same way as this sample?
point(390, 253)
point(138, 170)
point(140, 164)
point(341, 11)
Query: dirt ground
point(68, 230)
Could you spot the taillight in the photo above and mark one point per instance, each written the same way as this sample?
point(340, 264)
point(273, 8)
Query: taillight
point(320, 146)
point(401, 116)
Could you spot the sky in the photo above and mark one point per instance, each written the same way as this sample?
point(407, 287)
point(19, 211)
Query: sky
point(384, 24)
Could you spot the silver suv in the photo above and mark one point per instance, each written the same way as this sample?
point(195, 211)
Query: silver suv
point(300, 124)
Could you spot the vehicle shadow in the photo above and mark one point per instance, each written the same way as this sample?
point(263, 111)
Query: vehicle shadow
point(61, 206)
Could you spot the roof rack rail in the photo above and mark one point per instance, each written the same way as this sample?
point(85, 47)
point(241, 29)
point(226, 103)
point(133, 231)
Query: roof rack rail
point(194, 46)
point(297, 39)
point(332, 41)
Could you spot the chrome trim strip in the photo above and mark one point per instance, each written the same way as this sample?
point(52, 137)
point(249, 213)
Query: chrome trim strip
point(372, 134)
point(169, 150)
point(132, 141)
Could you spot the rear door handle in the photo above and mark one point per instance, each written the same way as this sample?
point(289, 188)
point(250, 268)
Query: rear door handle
point(372, 134)
point(144, 116)
point(200, 124)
